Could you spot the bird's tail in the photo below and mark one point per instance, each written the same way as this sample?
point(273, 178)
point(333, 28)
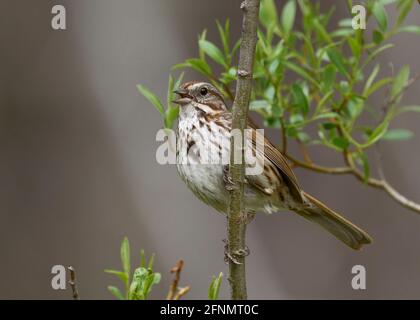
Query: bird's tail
point(341, 228)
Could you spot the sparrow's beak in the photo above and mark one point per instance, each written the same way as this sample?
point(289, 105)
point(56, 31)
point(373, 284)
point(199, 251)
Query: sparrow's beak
point(184, 97)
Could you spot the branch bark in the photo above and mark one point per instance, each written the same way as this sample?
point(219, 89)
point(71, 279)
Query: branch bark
point(174, 292)
point(236, 226)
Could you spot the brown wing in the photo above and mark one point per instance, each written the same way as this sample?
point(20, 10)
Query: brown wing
point(273, 155)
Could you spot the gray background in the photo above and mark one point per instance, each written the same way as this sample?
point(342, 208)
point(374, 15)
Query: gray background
point(78, 169)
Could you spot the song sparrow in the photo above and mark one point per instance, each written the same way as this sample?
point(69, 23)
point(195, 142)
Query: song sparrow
point(205, 120)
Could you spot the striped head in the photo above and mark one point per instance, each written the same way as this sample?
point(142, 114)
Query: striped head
point(202, 93)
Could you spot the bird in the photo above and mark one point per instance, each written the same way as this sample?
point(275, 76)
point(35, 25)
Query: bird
point(205, 124)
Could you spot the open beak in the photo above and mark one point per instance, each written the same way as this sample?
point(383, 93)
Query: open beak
point(184, 97)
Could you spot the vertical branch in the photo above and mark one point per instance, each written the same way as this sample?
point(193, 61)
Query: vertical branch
point(236, 228)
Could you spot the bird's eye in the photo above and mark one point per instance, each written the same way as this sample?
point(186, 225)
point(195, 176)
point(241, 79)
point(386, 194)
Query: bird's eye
point(204, 91)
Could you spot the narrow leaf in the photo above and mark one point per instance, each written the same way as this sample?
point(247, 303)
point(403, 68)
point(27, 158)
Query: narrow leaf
point(300, 71)
point(214, 288)
point(212, 51)
point(400, 82)
point(153, 99)
point(378, 133)
point(337, 60)
point(404, 7)
point(371, 78)
point(268, 13)
point(116, 292)
point(340, 142)
point(380, 15)
point(299, 97)
point(398, 135)
point(288, 16)
point(412, 29)
point(125, 256)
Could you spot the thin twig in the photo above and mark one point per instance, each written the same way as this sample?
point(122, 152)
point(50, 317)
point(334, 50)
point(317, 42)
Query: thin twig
point(72, 283)
point(236, 226)
point(318, 168)
point(351, 168)
point(182, 292)
point(304, 151)
point(173, 288)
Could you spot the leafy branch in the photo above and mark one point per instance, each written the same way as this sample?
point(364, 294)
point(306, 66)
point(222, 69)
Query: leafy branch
point(138, 286)
point(315, 77)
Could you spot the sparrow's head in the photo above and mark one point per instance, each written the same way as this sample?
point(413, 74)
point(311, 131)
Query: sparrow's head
point(200, 92)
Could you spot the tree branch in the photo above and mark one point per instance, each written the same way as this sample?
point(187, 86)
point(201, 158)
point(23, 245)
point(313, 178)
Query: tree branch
point(351, 168)
point(236, 228)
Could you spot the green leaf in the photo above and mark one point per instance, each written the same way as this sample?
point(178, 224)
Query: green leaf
point(288, 16)
point(198, 65)
point(407, 109)
point(224, 36)
point(355, 107)
point(213, 52)
point(412, 29)
point(213, 293)
point(371, 78)
point(153, 99)
point(300, 71)
point(340, 142)
point(170, 93)
point(377, 36)
point(337, 59)
point(404, 7)
point(328, 78)
point(377, 85)
point(201, 53)
point(258, 105)
point(400, 82)
point(342, 32)
point(398, 135)
point(268, 13)
point(116, 292)
point(321, 31)
point(380, 15)
point(296, 119)
point(378, 133)
point(142, 258)
point(329, 125)
point(151, 262)
point(120, 274)
point(299, 98)
point(345, 23)
point(377, 51)
point(156, 278)
point(125, 256)
point(355, 46)
point(171, 115)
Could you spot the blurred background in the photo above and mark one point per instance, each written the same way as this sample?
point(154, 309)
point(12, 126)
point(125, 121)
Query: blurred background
point(78, 169)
